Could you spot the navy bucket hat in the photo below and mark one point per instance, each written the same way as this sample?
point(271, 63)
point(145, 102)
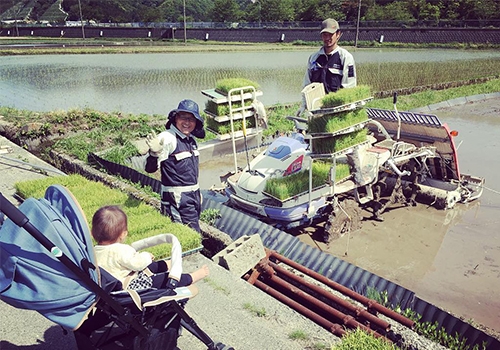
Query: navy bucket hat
point(188, 106)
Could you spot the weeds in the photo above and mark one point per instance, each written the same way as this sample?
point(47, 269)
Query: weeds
point(215, 286)
point(298, 335)
point(259, 312)
point(210, 216)
point(430, 330)
point(360, 340)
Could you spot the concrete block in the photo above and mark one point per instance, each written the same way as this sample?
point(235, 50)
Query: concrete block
point(241, 255)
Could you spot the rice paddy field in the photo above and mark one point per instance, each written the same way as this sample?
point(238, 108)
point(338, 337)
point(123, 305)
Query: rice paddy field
point(154, 83)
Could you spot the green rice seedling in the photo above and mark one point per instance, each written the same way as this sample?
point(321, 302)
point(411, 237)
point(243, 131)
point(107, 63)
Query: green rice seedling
point(279, 189)
point(223, 128)
point(386, 76)
point(223, 86)
point(294, 184)
point(345, 96)
point(328, 145)
point(337, 121)
point(143, 219)
point(222, 109)
point(351, 118)
point(351, 139)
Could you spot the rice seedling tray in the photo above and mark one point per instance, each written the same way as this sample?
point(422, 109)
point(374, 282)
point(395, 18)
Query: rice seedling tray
point(219, 97)
point(338, 153)
point(237, 133)
point(302, 197)
point(347, 107)
point(348, 130)
point(226, 118)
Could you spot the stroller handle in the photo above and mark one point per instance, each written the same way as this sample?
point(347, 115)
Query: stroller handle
point(12, 212)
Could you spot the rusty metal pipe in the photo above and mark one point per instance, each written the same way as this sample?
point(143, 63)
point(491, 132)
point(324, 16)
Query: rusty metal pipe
point(334, 328)
point(347, 320)
point(371, 304)
point(359, 312)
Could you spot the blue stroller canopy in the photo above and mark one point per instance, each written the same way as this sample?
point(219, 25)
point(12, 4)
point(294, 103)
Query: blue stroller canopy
point(34, 278)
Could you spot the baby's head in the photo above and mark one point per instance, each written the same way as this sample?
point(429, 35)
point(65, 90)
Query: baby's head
point(109, 225)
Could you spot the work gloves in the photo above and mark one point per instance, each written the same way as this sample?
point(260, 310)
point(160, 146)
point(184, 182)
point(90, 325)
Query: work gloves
point(155, 145)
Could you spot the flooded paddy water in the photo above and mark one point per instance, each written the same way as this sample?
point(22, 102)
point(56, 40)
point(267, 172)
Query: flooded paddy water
point(448, 258)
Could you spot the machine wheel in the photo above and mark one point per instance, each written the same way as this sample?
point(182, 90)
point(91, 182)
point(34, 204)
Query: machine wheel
point(343, 219)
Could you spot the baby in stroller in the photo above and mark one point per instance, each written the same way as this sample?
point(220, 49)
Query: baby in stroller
point(49, 265)
point(136, 270)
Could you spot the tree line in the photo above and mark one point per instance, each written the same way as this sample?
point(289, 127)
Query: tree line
point(255, 11)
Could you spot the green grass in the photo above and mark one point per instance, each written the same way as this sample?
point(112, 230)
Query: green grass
point(360, 340)
point(298, 335)
point(143, 219)
point(429, 330)
point(210, 216)
point(255, 310)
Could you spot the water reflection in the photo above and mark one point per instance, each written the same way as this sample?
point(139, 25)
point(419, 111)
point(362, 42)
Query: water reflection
point(154, 83)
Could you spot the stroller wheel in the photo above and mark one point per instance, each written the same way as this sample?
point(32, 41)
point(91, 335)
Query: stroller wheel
point(221, 346)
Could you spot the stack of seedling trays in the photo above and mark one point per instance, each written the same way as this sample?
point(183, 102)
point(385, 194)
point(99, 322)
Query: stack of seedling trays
point(340, 123)
point(333, 130)
point(230, 102)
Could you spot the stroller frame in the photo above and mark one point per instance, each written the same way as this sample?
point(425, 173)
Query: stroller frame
point(117, 322)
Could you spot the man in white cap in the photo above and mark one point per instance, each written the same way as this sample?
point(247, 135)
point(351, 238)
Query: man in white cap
point(331, 65)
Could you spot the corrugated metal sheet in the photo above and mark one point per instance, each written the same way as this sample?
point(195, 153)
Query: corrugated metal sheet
point(237, 224)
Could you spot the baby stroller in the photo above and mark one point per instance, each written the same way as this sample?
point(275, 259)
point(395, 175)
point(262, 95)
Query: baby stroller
point(48, 265)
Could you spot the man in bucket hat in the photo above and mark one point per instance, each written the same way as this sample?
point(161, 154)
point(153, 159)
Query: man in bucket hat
point(175, 152)
point(332, 65)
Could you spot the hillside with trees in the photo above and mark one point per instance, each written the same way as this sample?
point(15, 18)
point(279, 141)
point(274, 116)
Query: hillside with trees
point(372, 12)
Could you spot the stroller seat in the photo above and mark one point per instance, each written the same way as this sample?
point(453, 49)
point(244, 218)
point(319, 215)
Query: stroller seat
point(48, 265)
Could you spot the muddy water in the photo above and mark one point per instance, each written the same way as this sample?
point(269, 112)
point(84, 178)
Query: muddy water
point(448, 258)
